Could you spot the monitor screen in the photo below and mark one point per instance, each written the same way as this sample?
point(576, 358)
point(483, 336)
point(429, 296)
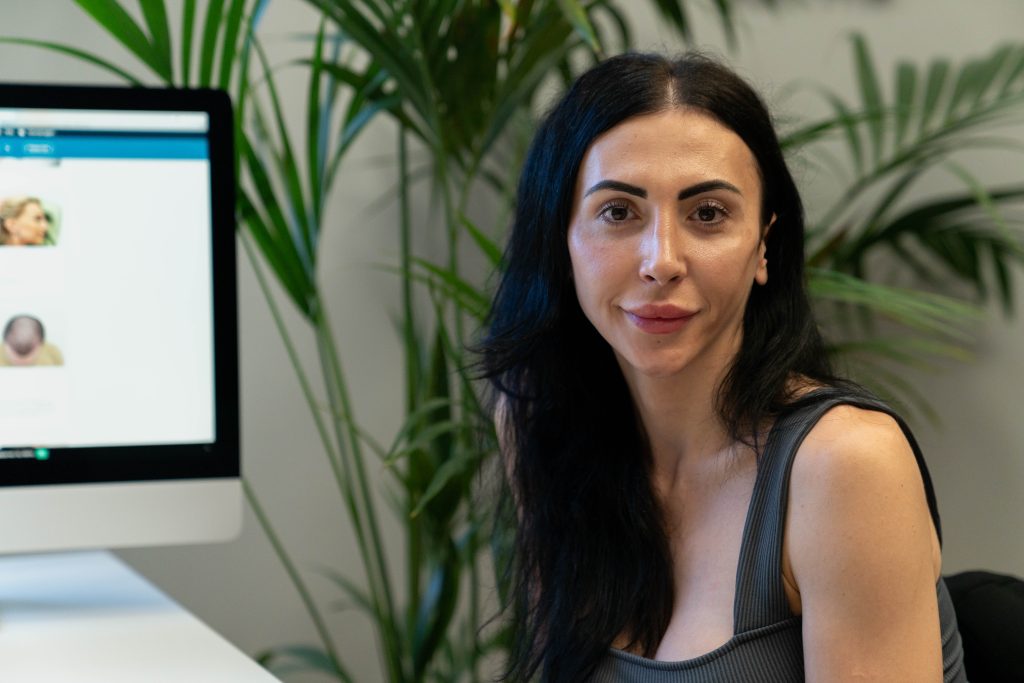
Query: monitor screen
point(118, 362)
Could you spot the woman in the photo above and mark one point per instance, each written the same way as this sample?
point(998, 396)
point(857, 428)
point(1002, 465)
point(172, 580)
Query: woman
point(23, 222)
point(698, 497)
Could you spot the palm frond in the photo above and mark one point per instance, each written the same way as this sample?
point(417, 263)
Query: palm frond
point(932, 116)
point(932, 314)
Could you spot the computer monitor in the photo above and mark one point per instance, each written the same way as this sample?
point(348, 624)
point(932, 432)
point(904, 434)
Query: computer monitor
point(118, 364)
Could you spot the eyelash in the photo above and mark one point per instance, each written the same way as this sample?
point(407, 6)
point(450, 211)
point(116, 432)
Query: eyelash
point(711, 204)
point(603, 214)
point(723, 212)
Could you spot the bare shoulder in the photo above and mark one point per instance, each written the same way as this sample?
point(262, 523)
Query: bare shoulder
point(861, 551)
point(855, 442)
point(856, 473)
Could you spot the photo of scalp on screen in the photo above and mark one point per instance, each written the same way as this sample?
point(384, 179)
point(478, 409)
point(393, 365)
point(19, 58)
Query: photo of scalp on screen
point(28, 221)
point(25, 343)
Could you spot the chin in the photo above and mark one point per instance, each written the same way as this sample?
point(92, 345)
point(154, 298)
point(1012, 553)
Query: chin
point(649, 365)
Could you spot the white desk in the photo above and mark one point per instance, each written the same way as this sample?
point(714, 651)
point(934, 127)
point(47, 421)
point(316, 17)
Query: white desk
point(87, 617)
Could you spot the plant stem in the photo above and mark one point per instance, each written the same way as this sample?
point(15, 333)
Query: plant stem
point(333, 456)
point(474, 597)
point(307, 392)
point(352, 457)
point(405, 243)
point(296, 578)
point(300, 374)
point(414, 559)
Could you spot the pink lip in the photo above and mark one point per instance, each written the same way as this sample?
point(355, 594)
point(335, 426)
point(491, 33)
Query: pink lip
point(659, 318)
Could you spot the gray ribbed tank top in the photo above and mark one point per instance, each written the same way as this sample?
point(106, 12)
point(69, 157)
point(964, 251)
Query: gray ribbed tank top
point(766, 644)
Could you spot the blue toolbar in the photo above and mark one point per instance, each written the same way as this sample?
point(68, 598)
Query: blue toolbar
point(103, 147)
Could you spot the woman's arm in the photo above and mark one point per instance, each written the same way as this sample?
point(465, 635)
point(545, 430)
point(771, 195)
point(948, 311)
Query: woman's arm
point(862, 550)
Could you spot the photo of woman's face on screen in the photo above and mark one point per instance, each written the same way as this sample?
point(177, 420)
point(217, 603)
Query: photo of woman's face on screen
point(27, 221)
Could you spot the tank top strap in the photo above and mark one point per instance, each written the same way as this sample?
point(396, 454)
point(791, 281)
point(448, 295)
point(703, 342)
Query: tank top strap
point(760, 596)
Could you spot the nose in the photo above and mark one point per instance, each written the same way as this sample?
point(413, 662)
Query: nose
point(662, 259)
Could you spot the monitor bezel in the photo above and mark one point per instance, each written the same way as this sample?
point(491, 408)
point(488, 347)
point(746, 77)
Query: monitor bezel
point(158, 462)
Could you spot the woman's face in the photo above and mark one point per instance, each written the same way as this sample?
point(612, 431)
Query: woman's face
point(666, 241)
point(29, 226)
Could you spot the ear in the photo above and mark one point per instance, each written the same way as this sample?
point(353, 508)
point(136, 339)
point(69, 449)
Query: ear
point(761, 274)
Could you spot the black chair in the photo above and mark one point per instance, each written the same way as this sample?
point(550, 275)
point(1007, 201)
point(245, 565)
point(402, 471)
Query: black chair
point(990, 613)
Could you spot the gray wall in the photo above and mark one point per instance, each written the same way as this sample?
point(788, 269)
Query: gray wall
point(239, 587)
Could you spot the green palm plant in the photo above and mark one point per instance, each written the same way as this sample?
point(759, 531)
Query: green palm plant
point(459, 109)
point(460, 79)
point(934, 118)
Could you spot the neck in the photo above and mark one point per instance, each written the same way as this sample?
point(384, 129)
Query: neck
point(679, 414)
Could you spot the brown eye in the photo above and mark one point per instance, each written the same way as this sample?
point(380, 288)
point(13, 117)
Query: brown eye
point(615, 213)
point(709, 213)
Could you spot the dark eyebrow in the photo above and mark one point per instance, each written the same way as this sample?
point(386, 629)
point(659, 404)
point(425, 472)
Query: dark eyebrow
point(617, 185)
point(707, 186)
point(686, 193)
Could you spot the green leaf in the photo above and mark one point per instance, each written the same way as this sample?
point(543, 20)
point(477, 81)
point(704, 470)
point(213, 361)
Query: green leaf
point(188, 20)
point(919, 352)
point(934, 86)
point(977, 79)
point(449, 470)
point(488, 246)
point(317, 115)
point(984, 199)
point(1014, 71)
point(1004, 281)
point(156, 20)
point(111, 16)
point(871, 96)
point(925, 216)
point(208, 47)
point(274, 237)
point(77, 54)
point(546, 49)
point(675, 12)
point(465, 293)
point(396, 56)
point(359, 597)
point(577, 16)
point(416, 416)
point(931, 313)
point(289, 659)
point(812, 132)
point(306, 238)
point(435, 611)
point(895, 192)
point(848, 123)
point(423, 437)
point(906, 91)
point(229, 42)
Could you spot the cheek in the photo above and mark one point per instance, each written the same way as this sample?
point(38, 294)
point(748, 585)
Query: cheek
point(592, 266)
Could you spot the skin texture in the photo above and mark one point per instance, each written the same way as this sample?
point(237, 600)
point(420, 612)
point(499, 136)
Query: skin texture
point(667, 224)
point(28, 227)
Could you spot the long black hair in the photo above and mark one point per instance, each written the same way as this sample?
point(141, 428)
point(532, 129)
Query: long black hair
point(591, 557)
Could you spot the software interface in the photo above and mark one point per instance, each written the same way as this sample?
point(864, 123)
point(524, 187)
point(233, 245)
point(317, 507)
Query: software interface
point(105, 279)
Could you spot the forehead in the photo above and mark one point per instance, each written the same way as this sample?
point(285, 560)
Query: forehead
point(674, 146)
